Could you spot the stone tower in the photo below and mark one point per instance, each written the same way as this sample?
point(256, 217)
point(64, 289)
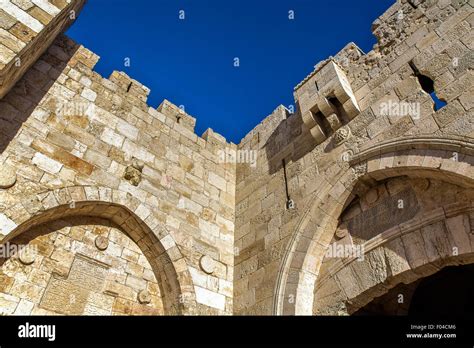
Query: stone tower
point(110, 206)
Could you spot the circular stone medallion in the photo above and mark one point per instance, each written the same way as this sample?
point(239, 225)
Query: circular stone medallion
point(144, 297)
point(208, 264)
point(7, 177)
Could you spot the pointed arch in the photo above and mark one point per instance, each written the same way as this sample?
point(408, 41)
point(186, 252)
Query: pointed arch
point(137, 219)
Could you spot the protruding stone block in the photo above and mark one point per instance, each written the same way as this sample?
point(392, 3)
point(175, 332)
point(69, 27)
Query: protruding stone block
point(101, 242)
point(333, 90)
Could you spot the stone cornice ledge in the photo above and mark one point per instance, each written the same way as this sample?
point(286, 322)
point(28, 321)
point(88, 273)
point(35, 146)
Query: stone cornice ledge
point(452, 143)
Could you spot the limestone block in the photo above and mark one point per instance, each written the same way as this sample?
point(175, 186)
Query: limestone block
point(436, 242)
point(47, 164)
point(22, 16)
point(308, 119)
point(348, 282)
point(372, 270)
point(414, 249)
point(217, 181)
point(395, 257)
point(6, 21)
point(24, 307)
point(328, 296)
point(112, 138)
point(89, 94)
point(8, 304)
point(210, 298)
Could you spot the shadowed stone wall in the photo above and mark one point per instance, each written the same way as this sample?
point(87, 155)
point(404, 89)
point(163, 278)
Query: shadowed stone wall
point(196, 225)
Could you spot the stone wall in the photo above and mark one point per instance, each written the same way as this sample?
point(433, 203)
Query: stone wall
point(351, 103)
point(197, 225)
point(65, 127)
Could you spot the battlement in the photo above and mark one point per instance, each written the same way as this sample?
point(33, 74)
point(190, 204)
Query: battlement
point(170, 110)
point(338, 88)
point(291, 207)
point(350, 50)
point(63, 125)
point(132, 87)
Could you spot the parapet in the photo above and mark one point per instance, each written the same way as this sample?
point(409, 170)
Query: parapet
point(341, 87)
point(28, 29)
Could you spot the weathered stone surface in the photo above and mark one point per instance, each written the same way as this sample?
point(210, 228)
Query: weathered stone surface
point(101, 242)
point(365, 159)
point(384, 215)
point(133, 175)
point(144, 297)
point(69, 276)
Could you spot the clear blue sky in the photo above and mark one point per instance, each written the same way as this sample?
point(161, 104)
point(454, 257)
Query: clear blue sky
point(191, 62)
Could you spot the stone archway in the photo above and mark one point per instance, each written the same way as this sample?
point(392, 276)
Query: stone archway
point(124, 213)
point(446, 293)
point(79, 265)
point(423, 156)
